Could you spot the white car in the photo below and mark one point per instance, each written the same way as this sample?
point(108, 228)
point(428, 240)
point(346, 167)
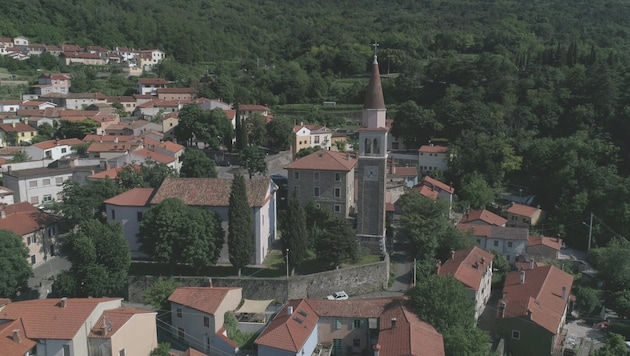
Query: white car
point(341, 295)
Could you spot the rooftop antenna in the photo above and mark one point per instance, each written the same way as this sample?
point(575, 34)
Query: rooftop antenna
point(375, 45)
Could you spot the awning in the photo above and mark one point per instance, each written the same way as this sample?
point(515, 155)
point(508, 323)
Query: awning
point(254, 306)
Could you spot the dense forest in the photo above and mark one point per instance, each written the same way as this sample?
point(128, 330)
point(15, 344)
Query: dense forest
point(532, 96)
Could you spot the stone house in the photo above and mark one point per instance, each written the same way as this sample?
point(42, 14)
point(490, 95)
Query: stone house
point(542, 247)
point(326, 177)
point(520, 215)
point(533, 310)
point(197, 317)
point(473, 268)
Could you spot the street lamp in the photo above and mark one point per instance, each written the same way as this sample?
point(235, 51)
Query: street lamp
point(287, 257)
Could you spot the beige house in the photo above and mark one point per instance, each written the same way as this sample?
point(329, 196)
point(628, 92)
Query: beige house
point(37, 228)
point(176, 93)
point(520, 215)
point(473, 268)
point(88, 59)
point(169, 121)
point(326, 177)
point(124, 331)
point(306, 136)
point(197, 316)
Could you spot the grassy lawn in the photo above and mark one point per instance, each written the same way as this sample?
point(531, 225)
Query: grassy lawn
point(274, 267)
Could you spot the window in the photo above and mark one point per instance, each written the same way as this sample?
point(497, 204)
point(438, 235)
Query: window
point(64, 150)
point(337, 192)
point(34, 200)
point(139, 216)
point(337, 324)
point(356, 324)
point(206, 321)
point(66, 350)
point(113, 214)
point(22, 134)
point(516, 334)
point(337, 177)
point(31, 239)
point(32, 184)
point(47, 198)
point(179, 312)
point(315, 175)
point(337, 208)
point(296, 175)
point(33, 259)
point(496, 243)
point(59, 180)
point(316, 139)
point(356, 342)
point(180, 333)
point(122, 353)
point(316, 191)
point(46, 181)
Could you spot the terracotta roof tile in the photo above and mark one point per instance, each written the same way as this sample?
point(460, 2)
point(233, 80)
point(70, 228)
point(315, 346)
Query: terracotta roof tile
point(410, 336)
point(522, 210)
point(433, 149)
point(360, 308)
point(204, 299)
point(324, 160)
point(112, 146)
point(468, 266)
point(46, 319)
point(245, 107)
point(485, 216)
point(289, 332)
point(406, 171)
point(107, 138)
point(175, 90)
point(82, 55)
point(552, 242)
point(210, 191)
point(53, 143)
point(540, 295)
point(434, 183)
point(426, 191)
point(154, 156)
point(19, 127)
point(112, 320)
point(23, 218)
point(132, 197)
point(10, 347)
point(496, 232)
point(193, 352)
point(152, 81)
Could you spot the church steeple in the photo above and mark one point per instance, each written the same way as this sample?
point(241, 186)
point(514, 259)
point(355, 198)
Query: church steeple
point(374, 96)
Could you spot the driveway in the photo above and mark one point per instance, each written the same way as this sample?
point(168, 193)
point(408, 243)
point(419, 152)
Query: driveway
point(41, 282)
point(581, 336)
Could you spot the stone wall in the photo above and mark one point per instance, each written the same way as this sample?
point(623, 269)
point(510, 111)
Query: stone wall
point(353, 280)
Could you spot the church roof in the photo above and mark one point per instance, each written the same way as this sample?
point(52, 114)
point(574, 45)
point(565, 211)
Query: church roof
point(374, 96)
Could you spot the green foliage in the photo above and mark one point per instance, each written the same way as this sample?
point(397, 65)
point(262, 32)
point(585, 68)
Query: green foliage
point(172, 232)
point(150, 174)
point(307, 151)
point(195, 164)
point(20, 156)
point(240, 233)
point(100, 260)
point(81, 148)
point(11, 138)
point(257, 128)
point(163, 349)
point(337, 243)
point(46, 130)
point(157, 293)
point(252, 158)
point(209, 126)
point(587, 299)
point(294, 233)
point(615, 346)
point(85, 202)
point(13, 262)
point(472, 341)
point(280, 131)
point(77, 129)
point(475, 192)
point(317, 219)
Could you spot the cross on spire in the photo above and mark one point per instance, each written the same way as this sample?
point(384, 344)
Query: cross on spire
point(375, 45)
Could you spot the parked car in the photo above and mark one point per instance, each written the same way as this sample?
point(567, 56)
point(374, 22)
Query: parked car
point(341, 295)
point(224, 163)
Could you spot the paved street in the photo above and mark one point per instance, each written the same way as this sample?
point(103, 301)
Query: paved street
point(41, 282)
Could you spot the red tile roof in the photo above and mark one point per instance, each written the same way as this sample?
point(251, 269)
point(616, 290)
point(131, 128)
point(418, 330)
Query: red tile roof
point(19, 127)
point(56, 76)
point(53, 143)
point(167, 145)
point(175, 90)
point(289, 332)
point(360, 308)
point(193, 352)
point(243, 107)
point(23, 218)
point(107, 138)
point(426, 191)
point(132, 197)
point(152, 81)
point(10, 102)
point(121, 99)
point(406, 171)
point(324, 160)
point(485, 216)
point(495, 232)
point(10, 347)
point(297, 128)
point(540, 296)
point(112, 320)
point(82, 55)
point(204, 299)
point(468, 266)
point(433, 149)
point(154, 156)
point(522, 210)
point(434, 183)
point(210, 191)
point(112, 146)
point(552, 242)
point(46, 319)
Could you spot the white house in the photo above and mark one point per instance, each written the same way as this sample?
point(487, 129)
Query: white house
point(473, 268)
point(52, 149)
point(127, 209)
point(197, 317)
point(10, 105)
point(433, 158)
point(510, 242)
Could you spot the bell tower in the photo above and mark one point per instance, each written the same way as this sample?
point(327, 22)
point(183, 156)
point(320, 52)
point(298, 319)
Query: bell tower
point(372, 163)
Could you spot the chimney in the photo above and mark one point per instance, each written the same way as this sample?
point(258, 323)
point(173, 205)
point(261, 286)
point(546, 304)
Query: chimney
point(502, 306)
point(531, 263)
point(16, 336)
point(438, 265)
point(393, 323)
point(3, 213)
point(529, 314)
point(564, 292)
point(523, 277)
point(452, 254)
point(289, 310)
point(13, 124)
point(104, 327)
point(63, 302)
point(347, 159)
point(116, 139)
point(57, 142)
point(9, 168)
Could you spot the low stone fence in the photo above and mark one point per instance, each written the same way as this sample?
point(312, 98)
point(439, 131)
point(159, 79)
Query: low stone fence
point(353, 280)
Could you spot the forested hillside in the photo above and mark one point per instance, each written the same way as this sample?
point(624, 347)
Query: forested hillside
point(531, 95)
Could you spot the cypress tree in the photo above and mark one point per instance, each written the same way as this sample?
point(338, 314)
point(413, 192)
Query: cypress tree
point(240, 233)
point(294, 234)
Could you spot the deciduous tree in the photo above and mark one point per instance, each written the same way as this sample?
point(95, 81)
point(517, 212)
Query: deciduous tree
point(280, 131)
point(85, 202)
point(149, 174)
point(14, 265)
point(240, 234)
point(337, 243)
point(252, 159)
point(195, 164)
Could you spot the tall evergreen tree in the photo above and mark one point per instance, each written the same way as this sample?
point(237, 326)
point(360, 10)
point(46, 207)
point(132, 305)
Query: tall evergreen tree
point(294, 234)
point(240, 234)
point(241, 131)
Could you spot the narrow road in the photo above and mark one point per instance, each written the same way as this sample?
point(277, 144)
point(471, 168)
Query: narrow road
point(41, 282)
point(402, 264)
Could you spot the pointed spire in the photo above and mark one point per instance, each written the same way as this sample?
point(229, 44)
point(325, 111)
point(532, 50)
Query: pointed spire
point(374, 96)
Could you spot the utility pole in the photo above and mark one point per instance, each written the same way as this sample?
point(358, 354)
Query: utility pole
point(287, 263)
point(414, 272)
point(590, 233)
